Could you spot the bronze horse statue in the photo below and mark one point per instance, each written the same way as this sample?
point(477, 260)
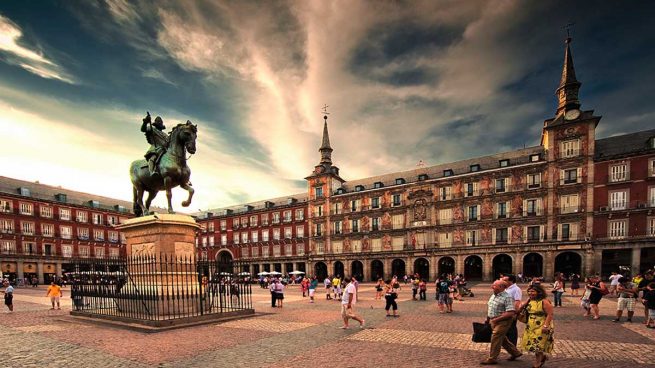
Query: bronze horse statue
point(172, 170)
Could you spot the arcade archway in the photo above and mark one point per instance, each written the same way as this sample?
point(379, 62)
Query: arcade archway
point(377, 270)
point(422, 267)
point(473, 268)
point(502, 264)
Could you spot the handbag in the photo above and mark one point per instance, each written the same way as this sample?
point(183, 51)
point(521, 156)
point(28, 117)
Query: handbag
point(523, 314)
point(481, 332)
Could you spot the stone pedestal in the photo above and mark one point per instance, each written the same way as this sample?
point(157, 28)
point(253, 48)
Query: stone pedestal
point(162, 262)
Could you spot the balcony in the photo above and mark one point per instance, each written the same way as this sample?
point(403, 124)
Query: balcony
point(567, 181)
point(565, 210)
point(534, 185)
point(533, 212)
point(501, 241)
point(618, 178)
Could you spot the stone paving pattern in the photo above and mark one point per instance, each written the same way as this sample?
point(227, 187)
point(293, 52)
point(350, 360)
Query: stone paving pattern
point(303, 334)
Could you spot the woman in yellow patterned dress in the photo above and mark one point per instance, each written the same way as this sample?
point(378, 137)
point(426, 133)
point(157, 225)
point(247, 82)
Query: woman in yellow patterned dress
point(538, 334)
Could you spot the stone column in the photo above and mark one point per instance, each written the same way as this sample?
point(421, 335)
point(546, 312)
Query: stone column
point(433, 268)
point(486, 268)
point(459, 264)
point(58, 269)
point(636, 260)
point(387, 268)
point(19, 271)
point(366, 269)
point(346, 267)
point(588, 263)
point(598, 260)
point(517, 265)
point(549, 266)
point(39, 272)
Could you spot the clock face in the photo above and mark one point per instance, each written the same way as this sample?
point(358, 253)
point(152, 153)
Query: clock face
point(572, 114)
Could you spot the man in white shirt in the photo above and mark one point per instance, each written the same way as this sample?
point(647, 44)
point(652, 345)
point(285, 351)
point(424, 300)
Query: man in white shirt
point(348, 304)
point(515, 292)
point(614, 282)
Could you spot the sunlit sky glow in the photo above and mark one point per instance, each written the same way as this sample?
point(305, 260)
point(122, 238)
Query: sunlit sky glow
point(436, 81)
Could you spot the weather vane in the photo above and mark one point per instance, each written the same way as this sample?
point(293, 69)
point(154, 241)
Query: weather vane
point(568, 29)
point(325, 112)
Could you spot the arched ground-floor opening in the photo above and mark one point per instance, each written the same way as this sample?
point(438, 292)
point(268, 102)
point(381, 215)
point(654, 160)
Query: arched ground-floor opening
point(647, 260)
point(357, 270)
point(568, 263)
point(300, 266)
point(255, 270)
point(501, 264)
point(473, 268)
point(377, 270)
point(288, 267)
point(422, 268)
point(616, 260)
point(320, 270)
point(277, 267)
point(398, 268)
point(446, 266)
point(338, 269)
point(533, 265)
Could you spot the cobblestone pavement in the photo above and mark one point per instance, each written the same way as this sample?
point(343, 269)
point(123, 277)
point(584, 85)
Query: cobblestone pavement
point(303, 334)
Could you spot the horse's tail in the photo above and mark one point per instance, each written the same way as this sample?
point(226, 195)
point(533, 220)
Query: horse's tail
point(134, 176)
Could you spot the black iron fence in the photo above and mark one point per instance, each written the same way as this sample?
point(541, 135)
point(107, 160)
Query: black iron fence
point(156, 288)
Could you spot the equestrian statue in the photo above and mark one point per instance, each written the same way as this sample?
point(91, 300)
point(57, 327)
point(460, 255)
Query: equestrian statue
point(165, 166)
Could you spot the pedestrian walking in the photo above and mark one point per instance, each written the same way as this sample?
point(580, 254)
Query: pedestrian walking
point(348, 302)
point(515, 292)
point(627, 292)
point(279, 293)
point(312, 288)
point(414, 288)
point(558, 289)
point(598, 289)
point(614, 283)
point(54, 293)
point(390, 296)
point(575, 284)
point(538, 334)
point(500, 312)
point(443, 298)
point(379, 287)
point(271, 288)
point(328, 287)
point(584, 300)
point(9, 296)
point(336, 287)
point(422, 289)
point(642, 288)
point(649, 303)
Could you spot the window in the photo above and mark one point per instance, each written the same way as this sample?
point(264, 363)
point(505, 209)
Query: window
point(318, 230)
point(337, 208)
point(244, 237)
point(503, 163)
point(501, 185)
point(83, 233)
point(651, 197)
point(474, 168)
point(286, 216)
point(27, 228)
point(96, 218)
point(223, 225)
point(84, 251)
point(473, 213)
point(288, 232)
point(566, 232)
point(471, 189)
point(501, 236)
point(535, 158)
point(98, 234)
point(81, 216)
point(445, 193)
point(223, 239)
point(66, 232)
point(29, 248)
point(398, 221)
point(355, 226)
point(255, 251)
point(276, 234)
point(570, 176)
point(448, 172)
point(46, 211)
point(378, 184)
point(113, 253)
point(318, 211)
point(237, 238)
point(210, 226)
point(400, 181)
point(288, 250)
point(276, 217)
point(534, 181)
point(8, 246)
point(617, 229)
point(253, 220)
point(651, 226)
point(396, 200)
point(446, 216)
point(534, 233)
point(375, 224)
point(375, 202)
point(300, 214)
point(26, 209)
point(359, 188)
point(445, 240)
point(112, 220)
point(65, 214)
point(113, 236)
point(48, 230)
point(355, 205)
point(300, 232)
point(337, 227)
point(6, 226)
point(67, 251)
point(265, 235)
point(254, 235)
point(532, 207)
point(99, 252)
point(651, 167)
point(5, 206)
point(570, 148)
point(501, 210)
point(471, 237)
point(319, 192)
point(423, 177)
point(618, 200)
point(618, 173)
point(264, 219)
point(569, 203)
point(244, 222)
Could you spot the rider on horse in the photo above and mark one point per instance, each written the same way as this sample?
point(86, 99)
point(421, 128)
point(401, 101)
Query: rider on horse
point(158, 141)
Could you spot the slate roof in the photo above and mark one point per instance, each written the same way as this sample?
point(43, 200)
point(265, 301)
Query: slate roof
point(624, 145)
point(47, 193)
point(278, 203)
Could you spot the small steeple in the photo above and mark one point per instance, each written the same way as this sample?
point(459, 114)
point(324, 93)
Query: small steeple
point(567, 92)
point(325, 150)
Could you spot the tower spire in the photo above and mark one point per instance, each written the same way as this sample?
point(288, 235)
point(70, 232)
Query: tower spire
point(325, 150)
point(567, 91)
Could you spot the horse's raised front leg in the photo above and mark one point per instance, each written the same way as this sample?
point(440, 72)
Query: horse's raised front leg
point(168, 184)
point(188, 188)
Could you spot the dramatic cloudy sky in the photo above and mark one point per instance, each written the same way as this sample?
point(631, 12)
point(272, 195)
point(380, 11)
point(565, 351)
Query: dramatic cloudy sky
point(405, 81)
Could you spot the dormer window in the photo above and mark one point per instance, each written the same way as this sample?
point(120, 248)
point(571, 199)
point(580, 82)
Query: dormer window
point(423, 177)
point(359, 188)
point(378, 184)
point(504, 163)
point(448, 172)
point(400, 181)
point(340, 191)
point(474, 168)
point(25, 192)
point(535, 157)
point(651, 142)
